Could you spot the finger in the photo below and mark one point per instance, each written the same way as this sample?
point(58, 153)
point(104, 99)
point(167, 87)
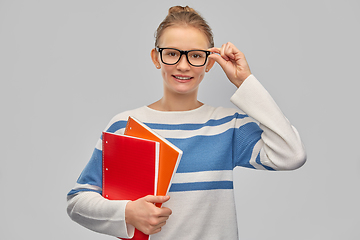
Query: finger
point(220, 60)
point(160, 225)
point(150, 230)
point(155, 231)
point(223, 53)
point(157, 199)
point(219, 51)
point(214, 50)
point(156, 227)
point(165, 212)
point(231, 51)
point(216, 53)
point(159, 222)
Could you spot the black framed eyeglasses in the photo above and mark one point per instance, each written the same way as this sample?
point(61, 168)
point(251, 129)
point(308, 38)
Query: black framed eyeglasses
point(172, 56)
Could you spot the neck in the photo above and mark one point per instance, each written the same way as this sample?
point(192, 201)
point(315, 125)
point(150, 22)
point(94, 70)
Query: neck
point(177, 102)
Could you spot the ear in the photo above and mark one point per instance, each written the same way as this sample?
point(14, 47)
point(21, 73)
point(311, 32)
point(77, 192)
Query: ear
point(210, 63)
point(155, 58)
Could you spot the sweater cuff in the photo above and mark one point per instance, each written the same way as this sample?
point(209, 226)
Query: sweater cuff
point(251, 97)
point(246, 88)
point(99, 214)
point(129, 228)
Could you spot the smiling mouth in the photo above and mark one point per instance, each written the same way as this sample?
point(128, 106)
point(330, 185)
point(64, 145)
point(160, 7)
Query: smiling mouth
point(182, 78)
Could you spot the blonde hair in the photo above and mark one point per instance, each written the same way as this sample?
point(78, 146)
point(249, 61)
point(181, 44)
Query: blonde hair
point(184, 16)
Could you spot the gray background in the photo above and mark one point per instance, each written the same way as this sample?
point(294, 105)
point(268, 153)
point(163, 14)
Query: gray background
point(67, 67)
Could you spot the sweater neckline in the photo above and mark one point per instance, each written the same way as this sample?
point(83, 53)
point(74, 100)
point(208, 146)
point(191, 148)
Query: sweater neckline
point(196, 110)
point(175, 117)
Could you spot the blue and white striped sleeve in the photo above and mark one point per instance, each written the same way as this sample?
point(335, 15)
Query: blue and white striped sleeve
point(274, 144)
point(89, 208)
point(91, 177)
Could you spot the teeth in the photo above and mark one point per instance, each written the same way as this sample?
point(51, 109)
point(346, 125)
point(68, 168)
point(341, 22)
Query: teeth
point(182, 78)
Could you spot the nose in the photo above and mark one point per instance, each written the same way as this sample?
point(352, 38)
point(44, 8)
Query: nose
point(183, 64)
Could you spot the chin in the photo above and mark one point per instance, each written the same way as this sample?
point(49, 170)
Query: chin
point(183, 88)
point(185, 91)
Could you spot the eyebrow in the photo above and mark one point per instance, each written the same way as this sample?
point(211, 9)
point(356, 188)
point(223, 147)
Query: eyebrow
point(186, 49)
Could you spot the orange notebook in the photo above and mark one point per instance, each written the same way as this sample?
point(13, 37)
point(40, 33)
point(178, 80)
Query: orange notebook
point(169, 158)
point(130, 169)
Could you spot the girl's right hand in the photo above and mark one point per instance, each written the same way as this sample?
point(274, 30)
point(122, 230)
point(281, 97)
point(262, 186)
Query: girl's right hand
point(145, 216)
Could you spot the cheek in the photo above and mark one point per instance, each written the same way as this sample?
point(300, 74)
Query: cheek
point(163, 73)
point(166, 70)
point(200, 72)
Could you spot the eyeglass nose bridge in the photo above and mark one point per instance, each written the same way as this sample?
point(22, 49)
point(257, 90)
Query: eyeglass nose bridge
point(186, 55)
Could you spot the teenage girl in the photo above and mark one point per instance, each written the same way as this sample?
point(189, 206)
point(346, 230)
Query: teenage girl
point(213, 140)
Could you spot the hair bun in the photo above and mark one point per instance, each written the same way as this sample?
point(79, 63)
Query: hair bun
point(184, 17)
point(177, 9)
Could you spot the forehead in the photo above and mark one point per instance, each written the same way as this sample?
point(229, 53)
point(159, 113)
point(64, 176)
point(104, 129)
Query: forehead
point(183, 38)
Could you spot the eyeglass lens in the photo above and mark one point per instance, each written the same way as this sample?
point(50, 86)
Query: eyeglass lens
point(171, 56)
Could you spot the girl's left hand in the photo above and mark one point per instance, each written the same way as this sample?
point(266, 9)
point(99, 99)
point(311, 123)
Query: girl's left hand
point(232, 61)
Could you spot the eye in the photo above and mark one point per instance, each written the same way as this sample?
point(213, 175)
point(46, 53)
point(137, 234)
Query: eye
point(197, 55)
point(171, 53)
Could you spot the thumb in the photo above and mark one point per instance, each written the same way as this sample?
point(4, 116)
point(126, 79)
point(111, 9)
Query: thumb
point(215, 56)
point(157, 199)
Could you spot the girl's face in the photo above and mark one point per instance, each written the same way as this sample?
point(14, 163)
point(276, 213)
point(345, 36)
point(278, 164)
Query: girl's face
point(182, 78)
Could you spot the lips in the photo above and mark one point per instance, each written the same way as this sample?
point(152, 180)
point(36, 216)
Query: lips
point(182, 78)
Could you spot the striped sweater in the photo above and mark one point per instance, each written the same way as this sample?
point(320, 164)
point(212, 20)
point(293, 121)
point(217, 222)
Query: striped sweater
point(214, 141)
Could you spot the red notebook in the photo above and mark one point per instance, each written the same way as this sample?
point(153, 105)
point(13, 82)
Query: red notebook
point(169, 158)
point(130, 169)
